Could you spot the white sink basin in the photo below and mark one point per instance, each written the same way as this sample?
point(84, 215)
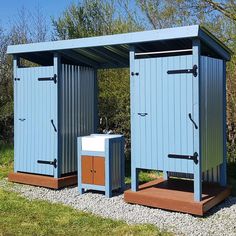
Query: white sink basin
point(96, 142)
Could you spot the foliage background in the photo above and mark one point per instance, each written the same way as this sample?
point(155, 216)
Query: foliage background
point(94, 17)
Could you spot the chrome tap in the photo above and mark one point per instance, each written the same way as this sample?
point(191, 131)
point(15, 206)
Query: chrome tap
point(106, 131)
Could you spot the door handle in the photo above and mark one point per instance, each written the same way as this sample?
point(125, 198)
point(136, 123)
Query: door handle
point(142, 113)
point(22, 119)
point(55, 129)
point(190, 117)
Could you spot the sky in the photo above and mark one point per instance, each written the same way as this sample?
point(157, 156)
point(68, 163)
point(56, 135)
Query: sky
point(9, 8)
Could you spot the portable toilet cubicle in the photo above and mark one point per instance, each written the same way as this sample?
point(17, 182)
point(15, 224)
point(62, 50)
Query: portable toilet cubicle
point(178, 102)
point(53, 105)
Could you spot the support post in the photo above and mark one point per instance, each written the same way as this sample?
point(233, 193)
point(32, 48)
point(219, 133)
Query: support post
point(165, 175)
point(57, 72)
point(95, 128)
point(223, 166)
point(122, 161)
point(134, 170)
point(196, 114)
point(79, 173)
point(16, 62)
point(108, 167)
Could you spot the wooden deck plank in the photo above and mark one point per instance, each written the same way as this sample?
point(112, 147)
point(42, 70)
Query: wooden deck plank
point(43, 181)
point(177, 195)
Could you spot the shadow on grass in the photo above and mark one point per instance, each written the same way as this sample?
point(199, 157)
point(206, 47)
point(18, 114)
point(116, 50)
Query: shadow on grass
point(232, 177)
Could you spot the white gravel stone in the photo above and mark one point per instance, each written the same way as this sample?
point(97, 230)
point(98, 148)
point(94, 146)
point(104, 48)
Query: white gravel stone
point(221, 220)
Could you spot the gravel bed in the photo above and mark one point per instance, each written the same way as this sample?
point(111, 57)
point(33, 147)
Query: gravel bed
point(219, 221)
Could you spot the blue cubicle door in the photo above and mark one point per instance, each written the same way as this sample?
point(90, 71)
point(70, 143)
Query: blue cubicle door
point(163, 114)
point(35, 120)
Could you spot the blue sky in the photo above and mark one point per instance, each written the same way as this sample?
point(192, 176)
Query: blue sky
point(9, 8)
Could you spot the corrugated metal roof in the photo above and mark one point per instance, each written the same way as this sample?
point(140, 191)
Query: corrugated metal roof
point(113, 50)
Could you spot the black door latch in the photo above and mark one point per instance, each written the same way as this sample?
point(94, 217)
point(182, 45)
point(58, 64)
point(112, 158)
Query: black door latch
point(194, 123)
point(184, 71)
point(132, 73)
point(54, 78)
point(54, 162)
point(142, 113)
point(187, 157)
point(54, 127)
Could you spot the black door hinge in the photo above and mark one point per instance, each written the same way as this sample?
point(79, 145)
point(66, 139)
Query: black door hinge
point(187, 157)
point(54, 78)
point(184, 71)
point(54, 162)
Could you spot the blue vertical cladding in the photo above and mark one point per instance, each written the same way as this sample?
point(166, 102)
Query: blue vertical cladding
point(167, 99)
point(212, 108)
point(35, 137)
point(77, 116)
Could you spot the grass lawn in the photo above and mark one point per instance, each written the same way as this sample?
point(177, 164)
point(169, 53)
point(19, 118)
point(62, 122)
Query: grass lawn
point(6, 160)
point(19, 216)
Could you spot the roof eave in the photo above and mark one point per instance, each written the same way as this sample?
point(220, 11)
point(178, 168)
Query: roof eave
point(211, 41)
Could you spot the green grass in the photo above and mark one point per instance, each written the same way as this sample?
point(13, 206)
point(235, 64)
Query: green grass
point(144, 176)
point(19, 216)
point(6, 160)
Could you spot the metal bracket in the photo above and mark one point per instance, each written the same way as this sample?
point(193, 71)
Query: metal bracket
point(54, 162)
point(184, 71)
point(54, 78)
point(187, 157)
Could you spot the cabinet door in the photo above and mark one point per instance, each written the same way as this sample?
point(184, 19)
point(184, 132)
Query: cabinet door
point(99, 170)
point(87, 169)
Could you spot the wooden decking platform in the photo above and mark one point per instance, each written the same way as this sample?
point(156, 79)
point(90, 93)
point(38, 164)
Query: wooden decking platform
point(43, 181)
point(177, 195)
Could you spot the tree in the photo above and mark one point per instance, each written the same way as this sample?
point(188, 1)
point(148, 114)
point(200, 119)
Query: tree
point(27, 27)
point(220, 18)
point(6, 90)
point(93, 18)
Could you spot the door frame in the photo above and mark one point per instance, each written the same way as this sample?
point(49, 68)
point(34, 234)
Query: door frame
point(196, 51)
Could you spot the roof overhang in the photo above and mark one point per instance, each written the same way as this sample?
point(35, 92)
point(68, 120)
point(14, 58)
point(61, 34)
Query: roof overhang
point(111, 50)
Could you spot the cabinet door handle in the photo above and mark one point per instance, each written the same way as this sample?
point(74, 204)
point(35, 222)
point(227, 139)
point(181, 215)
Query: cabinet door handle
point(91, 170)
point(94, 171)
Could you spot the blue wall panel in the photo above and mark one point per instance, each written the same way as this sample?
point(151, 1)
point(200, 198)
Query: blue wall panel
point(77, 92)
point(212, 79)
